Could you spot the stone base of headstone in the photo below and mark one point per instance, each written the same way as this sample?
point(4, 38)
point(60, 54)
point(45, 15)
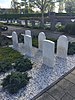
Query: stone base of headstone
point(61, 52)
point(16, 47)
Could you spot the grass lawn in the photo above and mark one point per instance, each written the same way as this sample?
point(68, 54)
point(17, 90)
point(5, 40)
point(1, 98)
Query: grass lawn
point(8, 54)
point(35, 42)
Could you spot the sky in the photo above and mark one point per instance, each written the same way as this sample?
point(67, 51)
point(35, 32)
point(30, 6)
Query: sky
point(5, 3)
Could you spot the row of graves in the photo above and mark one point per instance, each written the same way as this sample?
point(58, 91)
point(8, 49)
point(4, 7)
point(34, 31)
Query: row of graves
point(48, 67)
point(46, 47)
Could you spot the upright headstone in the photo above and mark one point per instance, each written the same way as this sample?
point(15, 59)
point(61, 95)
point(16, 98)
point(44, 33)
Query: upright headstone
point(28, 45)
point(15, 40)
point(27, 32)
point(48, 53)
point(62, 46)
point(41, 38)
point(22, 22)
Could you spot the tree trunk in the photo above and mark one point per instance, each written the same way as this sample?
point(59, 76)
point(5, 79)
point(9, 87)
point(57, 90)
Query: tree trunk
point(42, 24)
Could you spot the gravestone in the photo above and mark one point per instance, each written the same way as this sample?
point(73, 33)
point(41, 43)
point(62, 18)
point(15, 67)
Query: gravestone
point(15, 40)
point(28, 45)
point(62, 46)
point(27, 32)
point(48, 53)
point(41, 38)
point(22, 22)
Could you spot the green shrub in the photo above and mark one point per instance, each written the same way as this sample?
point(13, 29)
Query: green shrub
point(4, 41)
point(70, 29)
point(1, 24)
point(15, 81)
point(5, 66)
point(71, 48)
point(23, 65)
point(60, 28)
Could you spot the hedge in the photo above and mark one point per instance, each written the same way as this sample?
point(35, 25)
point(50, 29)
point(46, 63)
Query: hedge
point(5, 66)
point(17, 16)
point(70, 29)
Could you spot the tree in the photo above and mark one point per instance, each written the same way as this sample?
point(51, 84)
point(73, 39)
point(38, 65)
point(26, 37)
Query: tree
point(15, 5)
point(27, 6)
point(24, 3)
point(70, 6)
point(51, 7)
point(42, 5)
point(61, 5)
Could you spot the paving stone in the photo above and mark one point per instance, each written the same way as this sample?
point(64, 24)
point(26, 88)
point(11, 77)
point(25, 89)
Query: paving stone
point(73, 72)
point(71, 78)
point(65, 84)
point(71, 91)
point(67, 96)
point(73, 99)
point(45, 96)
point(56, 91)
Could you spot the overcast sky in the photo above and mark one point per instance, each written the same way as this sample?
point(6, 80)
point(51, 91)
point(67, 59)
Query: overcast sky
point(5, 3)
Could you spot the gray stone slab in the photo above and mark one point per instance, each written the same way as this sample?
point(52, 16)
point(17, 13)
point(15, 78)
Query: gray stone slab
point(67, 96)
point(56, 91)
point(71, 78)
point(45, 96)
point(73, 72)
point(71, 91)
point(65, 84)
point(73, 99)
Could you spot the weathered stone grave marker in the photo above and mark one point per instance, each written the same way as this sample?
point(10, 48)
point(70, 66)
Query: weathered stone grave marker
point(62, 46)
point(15, 40)
point(48, 53)
point(28, 45)
point(27, 32)
point(41, 38)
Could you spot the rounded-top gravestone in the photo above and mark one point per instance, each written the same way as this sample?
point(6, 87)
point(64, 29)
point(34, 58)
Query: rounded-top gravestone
point(27, 32)
point(62, 46)
point(28, 45)
point(41, 38)
point(15, 40)
point(48, 53)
